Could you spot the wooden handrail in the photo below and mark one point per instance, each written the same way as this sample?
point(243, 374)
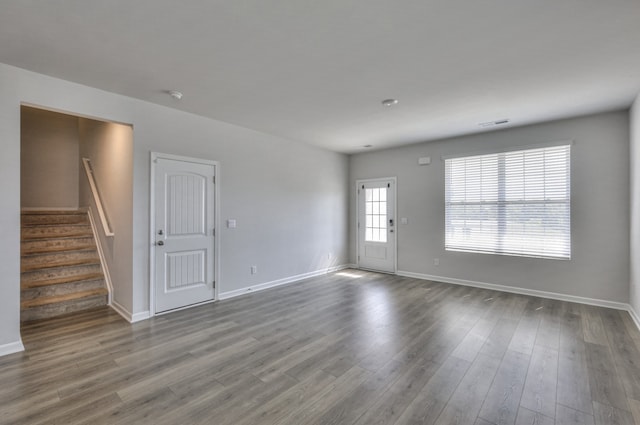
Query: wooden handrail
point(96, 197)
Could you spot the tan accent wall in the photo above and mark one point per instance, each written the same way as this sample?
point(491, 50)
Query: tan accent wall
point(48, 159)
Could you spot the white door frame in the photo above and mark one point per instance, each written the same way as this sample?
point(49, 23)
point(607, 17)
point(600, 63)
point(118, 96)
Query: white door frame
point(152, 226)
point(395, 215)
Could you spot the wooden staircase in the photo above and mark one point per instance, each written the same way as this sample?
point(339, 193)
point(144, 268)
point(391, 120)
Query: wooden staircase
point(60, 266)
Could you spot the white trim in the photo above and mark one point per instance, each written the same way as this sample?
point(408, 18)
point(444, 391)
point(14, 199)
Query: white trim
point(139, 317)
point(158, 155)
point(154, 156)
point(127, 315)
point(490, 151)
point(522, 291)
point(118, 308)
point(280, 282)
point(103, 260)
point(185, 307)
point(12, 347)
point(35, 209)
point(88, 169)
point(395, 217)
point(634, 316)
point(75, 114)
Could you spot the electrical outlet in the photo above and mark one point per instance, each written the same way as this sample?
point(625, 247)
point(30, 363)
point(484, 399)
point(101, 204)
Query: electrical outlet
point(436, 261)
point(254, 269)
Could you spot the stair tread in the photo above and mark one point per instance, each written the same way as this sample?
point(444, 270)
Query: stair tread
point(55, 212)
point(58, 264)
point(61, 280)
point(51, 236)
point(62, 298)
point(65, 252)
point(55, 225)
point(57, 249)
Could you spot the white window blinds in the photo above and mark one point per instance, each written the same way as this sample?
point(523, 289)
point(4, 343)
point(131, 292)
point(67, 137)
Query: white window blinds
point(512, 203)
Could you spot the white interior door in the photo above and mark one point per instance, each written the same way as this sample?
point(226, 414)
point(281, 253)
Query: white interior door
point(184, 233)
point(377, 225)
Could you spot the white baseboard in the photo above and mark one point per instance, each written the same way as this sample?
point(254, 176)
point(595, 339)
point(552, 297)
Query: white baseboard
point(139, 317)
point(522, 291)
point(10, 348)
point(279, 282)
point(121, 310)
point(186, 307)
point(127, 315)
point(634, 316)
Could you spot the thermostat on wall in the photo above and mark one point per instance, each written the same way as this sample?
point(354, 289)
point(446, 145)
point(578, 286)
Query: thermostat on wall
point(425, 160)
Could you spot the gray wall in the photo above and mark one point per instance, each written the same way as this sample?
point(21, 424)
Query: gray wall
point(48, 159)
point(109, 146)
point(634, 290)
point(290, 199)
point(599, 267)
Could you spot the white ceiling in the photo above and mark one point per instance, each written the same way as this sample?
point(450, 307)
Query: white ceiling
point(316, 71)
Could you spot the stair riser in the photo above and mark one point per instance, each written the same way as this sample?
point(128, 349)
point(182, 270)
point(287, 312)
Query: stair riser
point(62, 272)
point(53, 310)
point(43, 245)
point(48, 219)
point(42, 261)
point(61, 289)
point(63, 231)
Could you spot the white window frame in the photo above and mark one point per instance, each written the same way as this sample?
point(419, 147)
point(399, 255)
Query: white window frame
point(494, 244)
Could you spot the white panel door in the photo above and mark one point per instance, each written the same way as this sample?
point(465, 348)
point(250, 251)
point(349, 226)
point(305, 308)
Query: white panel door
point(376, 225)
point(184, 232)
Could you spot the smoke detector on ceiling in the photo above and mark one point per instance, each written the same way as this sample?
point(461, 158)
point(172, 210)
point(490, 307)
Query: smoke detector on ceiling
point(175, 94)
point(389, 102)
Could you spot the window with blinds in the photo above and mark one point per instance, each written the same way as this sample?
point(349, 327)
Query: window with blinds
point(511, 203)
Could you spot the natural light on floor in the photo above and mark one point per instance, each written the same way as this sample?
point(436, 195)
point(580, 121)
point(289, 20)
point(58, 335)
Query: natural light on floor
point(351, 275)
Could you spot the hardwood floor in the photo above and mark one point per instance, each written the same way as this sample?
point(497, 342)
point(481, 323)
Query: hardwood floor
point(348, 348)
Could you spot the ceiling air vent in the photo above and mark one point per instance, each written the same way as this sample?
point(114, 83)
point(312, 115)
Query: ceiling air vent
point(493, 123)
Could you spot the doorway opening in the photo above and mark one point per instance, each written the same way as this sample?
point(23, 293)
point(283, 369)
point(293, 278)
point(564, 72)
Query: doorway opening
point(77, 212)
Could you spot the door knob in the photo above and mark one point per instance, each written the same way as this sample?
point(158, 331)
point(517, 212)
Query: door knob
point(160, 243)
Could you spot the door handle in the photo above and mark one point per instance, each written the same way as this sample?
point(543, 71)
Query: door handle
point(160, 243)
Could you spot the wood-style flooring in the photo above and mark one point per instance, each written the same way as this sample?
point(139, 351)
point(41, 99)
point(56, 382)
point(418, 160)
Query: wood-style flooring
point(349, 348)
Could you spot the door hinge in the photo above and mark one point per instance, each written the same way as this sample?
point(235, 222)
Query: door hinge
point(214, 179)
point(363, 186)
point(213, 232)
point(389, 185)
point(358, 225)
point(213, 284)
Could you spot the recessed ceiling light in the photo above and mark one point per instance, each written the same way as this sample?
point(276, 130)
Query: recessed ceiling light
point(367, 146)
point(389, 102)
point(175, 94)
